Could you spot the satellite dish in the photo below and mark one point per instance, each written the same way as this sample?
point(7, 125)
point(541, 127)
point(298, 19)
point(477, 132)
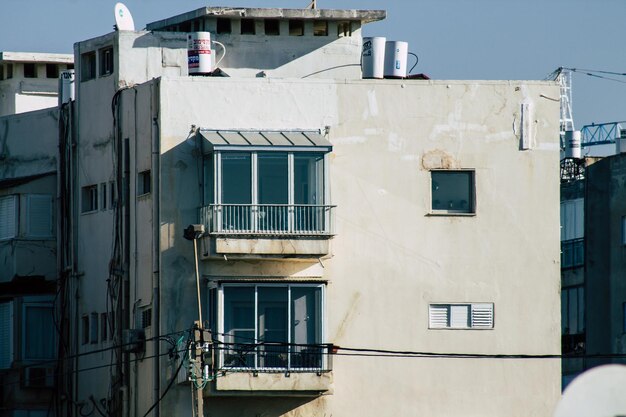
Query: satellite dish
point(123, 18)
point(598, 392)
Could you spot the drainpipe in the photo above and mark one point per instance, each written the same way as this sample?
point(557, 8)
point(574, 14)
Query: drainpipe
point(156, 240)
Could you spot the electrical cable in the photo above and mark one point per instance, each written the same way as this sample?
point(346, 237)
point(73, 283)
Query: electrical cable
point(417, 60)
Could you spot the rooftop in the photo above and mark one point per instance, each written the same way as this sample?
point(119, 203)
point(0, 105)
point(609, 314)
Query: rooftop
point(36, 57)
point(364, 16)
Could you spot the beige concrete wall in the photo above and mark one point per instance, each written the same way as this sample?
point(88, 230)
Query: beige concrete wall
point(391, 258)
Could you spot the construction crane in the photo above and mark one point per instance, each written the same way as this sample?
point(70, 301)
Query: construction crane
point(566, 119)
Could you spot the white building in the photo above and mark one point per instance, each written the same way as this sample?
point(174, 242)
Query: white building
point(340, 214)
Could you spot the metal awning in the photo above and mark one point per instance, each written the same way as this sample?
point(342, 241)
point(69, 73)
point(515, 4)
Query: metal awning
point(274, 140)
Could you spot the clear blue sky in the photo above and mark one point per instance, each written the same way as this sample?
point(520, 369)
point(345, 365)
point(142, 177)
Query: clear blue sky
point(455, 39)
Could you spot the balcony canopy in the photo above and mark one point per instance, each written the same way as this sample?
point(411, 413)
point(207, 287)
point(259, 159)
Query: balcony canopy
point(270, 140)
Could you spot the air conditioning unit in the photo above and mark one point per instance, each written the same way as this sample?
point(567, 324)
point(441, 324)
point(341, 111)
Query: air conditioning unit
point(38, 377)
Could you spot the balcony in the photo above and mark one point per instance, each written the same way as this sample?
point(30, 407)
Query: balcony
point(285, 230)
point(274, 369)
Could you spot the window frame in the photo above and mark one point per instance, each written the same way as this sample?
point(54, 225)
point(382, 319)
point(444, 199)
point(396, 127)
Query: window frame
point(38, 301)
point(16, 207)
point(10, 336)
point(88, 67)
point(471, 211)
point(471, 308)
point(106, 61)
point(89, 195)
point(28, 232)
point(219, 312)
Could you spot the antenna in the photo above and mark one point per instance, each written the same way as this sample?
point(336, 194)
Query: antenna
point(123, 18)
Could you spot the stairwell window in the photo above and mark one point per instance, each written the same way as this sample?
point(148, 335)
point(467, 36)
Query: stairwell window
point(106, 61)
point(89, 198)
point(453, 192)
point(460, 316)
point(88, 66)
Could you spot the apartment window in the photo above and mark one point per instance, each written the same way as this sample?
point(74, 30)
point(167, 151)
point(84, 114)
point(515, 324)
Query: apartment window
point(8, 216)
point(223, 25)
point(30, 70)
point(39, 212)
point(38, 329)
point(93, 328)
point(144, 181)
point(9, 71)
point(623, 230)
point(112, 195)
point(461, 316)
point(103, 195)
point(344, 29)
point(320, 28)
point(573, 310)
point(452, 192)
point(84, 324)
point(247, 27)
point(259, 320)
point(103, 327)
point(89, 197)
point(272, 27)
point(52, 71)
point(88, 66)
point(1, 72)
point(6, 334)
point(572, 253)
point(296, 27)
point(106, 61)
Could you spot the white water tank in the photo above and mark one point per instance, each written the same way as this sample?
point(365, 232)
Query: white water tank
point(199, 53)
point(396, 56)
point(620, 142)
point(573, 144)
point(373, 57)
point(66, 86)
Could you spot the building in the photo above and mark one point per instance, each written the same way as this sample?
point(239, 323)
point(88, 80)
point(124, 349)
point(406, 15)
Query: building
point(593, 214)
point(329, 214)
point(29, 80)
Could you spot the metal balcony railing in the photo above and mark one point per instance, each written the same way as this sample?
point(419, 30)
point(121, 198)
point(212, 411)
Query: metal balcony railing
point(276, 357)
point(268, 219)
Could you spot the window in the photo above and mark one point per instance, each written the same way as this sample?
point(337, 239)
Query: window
point(461, 316)
point(103, 195)
point(93, 328)
point(84, 324)
point(38, 329)
point(573, 219)
point(247, 27)
point(89, 196)
point(106, 61)
point(143, 182)
point(296, 27)
point(30, 70)
point(344, 29)
point(1, 72)
point(9, 71)
point(320, 28)
point(8, 217)
point(52, 71)
point(573, 310)
point(260, 319)
point(283, 192)
point(272, 27)
point(88, 66)
point(572, 253)
point(223, 25)
point(112, 196)
point(103, 327)
point(39, 208)
point(452, 192)
point(623, 230)
point(6, 334)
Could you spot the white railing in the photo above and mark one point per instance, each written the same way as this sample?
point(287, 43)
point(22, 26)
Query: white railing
point(268, 219)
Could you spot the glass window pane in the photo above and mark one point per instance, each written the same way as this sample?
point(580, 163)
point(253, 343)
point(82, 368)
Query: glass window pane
point(236, 178)
point(452, 191)
point(459, 316)
point(272, 326)
point(573, 310)
point(581, 309)
point(306, 327)
point(208, 180)
point(39, 340)
point(239, 326)
point(564, 311)
point(309, 179)
point(273, 178)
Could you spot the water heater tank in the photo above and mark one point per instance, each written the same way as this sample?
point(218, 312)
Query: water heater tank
point(620, 142)
point(373, 57)
point(573, 144)
point(199, 54)
point(396, 55)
